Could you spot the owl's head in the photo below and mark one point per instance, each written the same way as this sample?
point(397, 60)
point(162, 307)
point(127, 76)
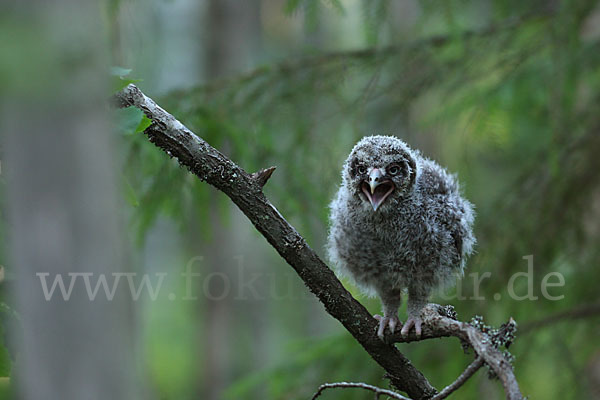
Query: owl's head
point(380, 170)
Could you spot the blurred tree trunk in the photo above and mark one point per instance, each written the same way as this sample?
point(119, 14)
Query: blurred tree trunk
point(233, 36)
point(232, 41)
point(63, 206)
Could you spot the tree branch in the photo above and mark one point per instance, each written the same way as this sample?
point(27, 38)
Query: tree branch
point(467, 373)
point(245, 190)
point(262, 176)
point(440, 322)
point(378, 391)
point(584, 311)
point(315, 61)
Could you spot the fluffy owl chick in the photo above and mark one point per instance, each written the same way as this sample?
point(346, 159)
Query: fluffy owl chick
point(398, 224)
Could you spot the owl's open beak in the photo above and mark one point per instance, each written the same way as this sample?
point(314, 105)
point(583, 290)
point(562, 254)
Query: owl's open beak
point(377, 189)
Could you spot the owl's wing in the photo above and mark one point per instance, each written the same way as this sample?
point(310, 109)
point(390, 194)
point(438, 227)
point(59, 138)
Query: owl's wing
point(458, 244)
point(433, 179)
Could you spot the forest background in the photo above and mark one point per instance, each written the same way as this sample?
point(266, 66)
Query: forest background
point(504, 93)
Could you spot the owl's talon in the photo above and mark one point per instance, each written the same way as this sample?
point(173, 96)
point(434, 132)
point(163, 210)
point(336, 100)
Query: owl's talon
point(410, 322)
point(391, 322)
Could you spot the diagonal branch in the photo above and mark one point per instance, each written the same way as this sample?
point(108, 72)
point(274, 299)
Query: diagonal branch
point(467, 373)
point(583, 311)
point(245, 190)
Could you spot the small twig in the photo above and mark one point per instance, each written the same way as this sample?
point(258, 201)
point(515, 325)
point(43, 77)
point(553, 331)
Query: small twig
point(378, 391)
point(467, 373)
point(261, 177)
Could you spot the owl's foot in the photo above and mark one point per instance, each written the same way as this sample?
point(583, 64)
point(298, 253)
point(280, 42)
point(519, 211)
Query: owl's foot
point(390, 321)
point(410, 322)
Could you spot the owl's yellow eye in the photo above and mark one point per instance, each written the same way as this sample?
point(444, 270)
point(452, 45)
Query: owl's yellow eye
point(361, 169)
point(394, 170)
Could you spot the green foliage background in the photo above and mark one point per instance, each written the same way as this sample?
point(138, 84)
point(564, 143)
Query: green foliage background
point(505, 93)
point(507, 97)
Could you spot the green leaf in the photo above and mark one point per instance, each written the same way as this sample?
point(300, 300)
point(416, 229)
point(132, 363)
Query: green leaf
point(144, 123)
point(119, 80)
point(129, 120)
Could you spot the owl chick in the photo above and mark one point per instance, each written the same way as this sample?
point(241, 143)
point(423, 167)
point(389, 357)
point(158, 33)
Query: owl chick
point(398, 224)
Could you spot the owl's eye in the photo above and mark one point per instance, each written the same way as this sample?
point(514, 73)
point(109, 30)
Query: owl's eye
point(361, 169)
point(393, 170)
